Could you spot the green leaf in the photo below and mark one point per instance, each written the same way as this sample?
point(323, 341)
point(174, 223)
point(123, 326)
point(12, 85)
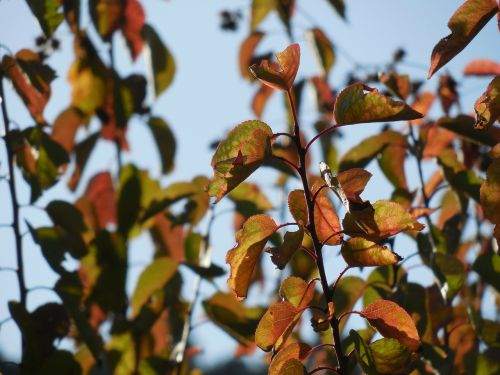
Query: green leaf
point(390, 357)
point(359, 103)
point(383, 219)
point(349, 289)
point(359, 252)
point(296, 291)
point(488, 267)
point(260, 9)
point(490, 192)
point(283, 253)
point(465, 23)
point(47, 13)
point(249, 199)
point(293, 366)
point(161, 60)
point(393, 322)
point(360, 155)
point(451, 272)
point(238, 156)
point(381, 282)
point(391, 160)
point(487, 362)
point(233, 317)
point(488, 330)
point(67, 216)
point(154, 277)
point(323, 48)
point(279, 77)
point(60, 362)
point(296, 350)
point(165, 142)
point(463, 125)
point(243, 257)
point(297, 206)
point(363, 353)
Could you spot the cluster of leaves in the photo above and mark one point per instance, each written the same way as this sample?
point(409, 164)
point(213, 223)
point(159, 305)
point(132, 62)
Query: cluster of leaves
point(437, 328)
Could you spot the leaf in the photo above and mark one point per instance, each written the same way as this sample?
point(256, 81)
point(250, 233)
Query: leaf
point(398, 85)
point(390, 357)
point(106, 16)
point(359, 103)
point(363, 353)
point(297, 206)
point(451, 272)
point(161, 60)
point(47, 13)
point(488, 267)
point(154, 277)
point(297, 351)
point(463, 125)
point(65, 127)
point(487, 107)
point(233, 317)
point(392, 157)
point(482, 67)
point(279, 77)
point(283, 253)
point(349, 289)
point(129, 199)
point(243, 257)
point(423, 104)
point(383, 219)
point(71, 9)
point(393, 322)
point(31, 79)
point(339, 6)
point(465, 23)
point(353, 182)
point(296, 291)
point(293, 367)
point(132, 26)
point(359, 252)
point(260, 99)
point(249, 199)
point(323, 49)
point(67, 216)
point(246, 54)
point(206, 272)
point(82, 153)
point(101, 195)
point(260, 9)
point(238, 156)
point(165, 142)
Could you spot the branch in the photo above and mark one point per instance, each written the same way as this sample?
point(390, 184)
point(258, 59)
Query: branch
point(320, 134)
point(320, 368)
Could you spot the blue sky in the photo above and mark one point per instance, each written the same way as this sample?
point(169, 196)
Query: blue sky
point(208, 97)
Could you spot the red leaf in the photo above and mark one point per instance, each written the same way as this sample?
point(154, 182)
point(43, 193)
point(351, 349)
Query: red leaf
point(133, 21)
point(482, 67)
point(101, 193)
point(247, 50)
point(65, 127)
point(422, 104)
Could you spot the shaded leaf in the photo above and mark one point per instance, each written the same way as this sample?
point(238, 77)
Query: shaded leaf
point(206, 272)
point(363, 353)
point(243, 257)
point(279, 77)
point(298, 351)
point(451, 272)
point(101, 195)
point(323, 49)
point(488, 267)
point(447, 92)
point(398, 85)
point(249, 199)
point(360, 155)
point(487, 107)
point(129, 199)
point(482, 67)
point(238, 156)
point(390, 357)
point(47, 13)
point(393, 322)
point(349, 289)
point(463, 125)
point(82, 153)
point(161, 60)
point(246, 54)
point(339, 7)
point(359, 103)
point(154, 277)
point(165, 142)
point(293, 367)
point(106, 16)
point(392, 157)
point(464, 24)
point(359, 252)
point(233, 317)
point(260, 99)
point(282, 254)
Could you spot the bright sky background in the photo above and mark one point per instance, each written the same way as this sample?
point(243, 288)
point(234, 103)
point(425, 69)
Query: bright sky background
point(208, 97)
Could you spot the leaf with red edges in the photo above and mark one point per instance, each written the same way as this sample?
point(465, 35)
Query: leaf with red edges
point(465, 23)
point(359, 252)
point(279, 77)
point(359, 103)
point(487, 107)
point(392, 321)
point(244, 256)
point(246, 55)
point(326, 220)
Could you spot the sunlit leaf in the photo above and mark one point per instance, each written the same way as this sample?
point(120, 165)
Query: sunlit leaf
point(353, 182)
point(360, 104)
point(247, 50)
point(243, 257)
point(323, 48)
point(382, 220)
point(282, 254)
point(392, 322)
point(101, 195)
point(487, 107)
point(391, 160)
point(463, 125)
point(296, 291)
point(132, 26)
point(65, 127)
point(238, 156)
point(279, 77)
point(339, 6)
point(161, 60)
point(106, 16)
point(482, 67)
point(326, 221)
point(447, 92)
point(390, 357)
point(233, 317)
point(260, 9)
point(293, 366)
point(398, 85)
point(360, 155)
point(297, 206)
point(423, 104)
point(47, 13)
point(488, 267)
point(298, 351)
point(465, 23)
point(359, 252)
point(154, 277)
point(31, 79)
point(165, 142)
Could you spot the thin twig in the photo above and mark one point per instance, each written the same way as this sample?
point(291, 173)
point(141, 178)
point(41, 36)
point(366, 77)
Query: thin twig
point(334, 287)
point(320, 134)
point(321, 368)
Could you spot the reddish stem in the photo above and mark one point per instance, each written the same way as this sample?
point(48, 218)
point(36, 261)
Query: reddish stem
point(285, 225)
point(288, 162)
point(349, 312)
point(320, 368)
point(320, 134)
point(338, 279)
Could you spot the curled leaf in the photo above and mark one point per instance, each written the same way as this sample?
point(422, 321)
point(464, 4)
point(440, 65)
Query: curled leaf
point(359, 103)
point(279, 77)
point(359, 252)
point(487, 107)
point(243, 257)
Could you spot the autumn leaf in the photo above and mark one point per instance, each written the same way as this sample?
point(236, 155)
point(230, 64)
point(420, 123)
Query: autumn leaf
point(296, 291)
point(349, 289)
point(279, 77)
point(132, 25)
point(359, 103)
point(382, 220)
point(465, 23)
point(390, 357)
point(260, 99)
point(283, 253)
point(360, 155)
point(482, 67)
point(244, 256)
point(399, 85)
point(165, 142)
point(339, 7)
point(246, 54)
point(326, 221)
point(422, 104)
point(392, 321)
point(359, 252)
point(260, 9)
point(487, 107)
point(297, 206)
point(391, 160)
point(323, 49)
point(490, 192)
point(106, 16)
point(238, 156)
point(488, 267)
point(101, 195)
point(48, 14)
point(353, 182)
point(451, 273)
point(298, 351)
point(463, 125)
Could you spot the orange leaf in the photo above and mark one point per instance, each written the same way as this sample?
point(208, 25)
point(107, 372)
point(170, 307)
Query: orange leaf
point(296, 350)
point(260, 99)
point(465, 23)
point(326, 220)
point(359, 103)
point(101, 193)
point(490, 192)
point(243, 257)
point(282, 254)
point(296, 291)
point(399, 85)
point(65, 127)
point(279, 77)
point(359, 252)
point(353, 182)
point(392, 321)
point(133, 21)
point(247, 50)
point(482, 67)
point(487, 107)
point(447, 92)
point(423, 104)
point(297, 207)
point(436, 139)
